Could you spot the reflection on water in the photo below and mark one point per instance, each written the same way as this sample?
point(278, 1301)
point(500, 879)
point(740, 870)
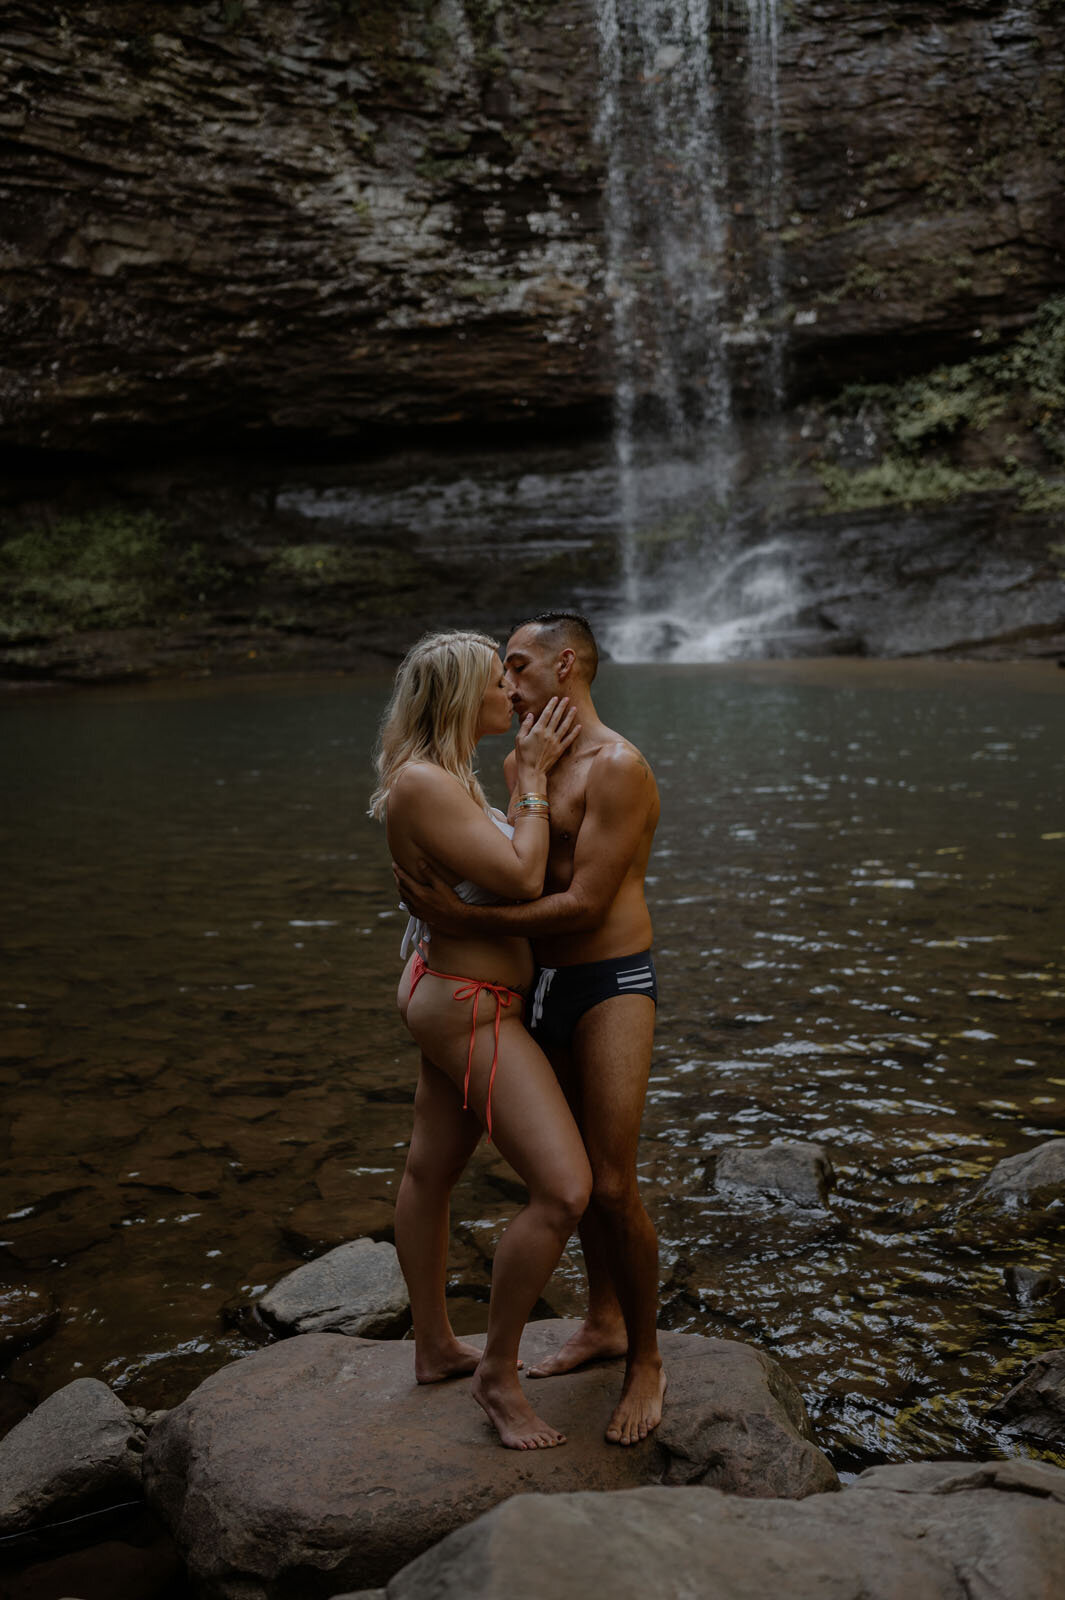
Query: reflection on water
point(857, 898)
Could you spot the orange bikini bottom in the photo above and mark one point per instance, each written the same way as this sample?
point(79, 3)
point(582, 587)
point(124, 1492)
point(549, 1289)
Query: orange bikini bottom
point(471, 989)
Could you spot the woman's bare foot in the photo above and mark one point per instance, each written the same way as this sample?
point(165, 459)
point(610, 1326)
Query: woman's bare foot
point(640, 1408)
point(504, 1403)
point(589, 1343)
point(456, 1360)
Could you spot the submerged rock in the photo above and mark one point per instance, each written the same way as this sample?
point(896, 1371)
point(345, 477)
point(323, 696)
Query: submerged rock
point(785, 1170)
point(1028, 1287)
point(78, 1451)
point(26, 1317)
point(321, 1459)
point(1028, 1185)
point(1035, 1406)
point(356, 1289)
point(937, 1531)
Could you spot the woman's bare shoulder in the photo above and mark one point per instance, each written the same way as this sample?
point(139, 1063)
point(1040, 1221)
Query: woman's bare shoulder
point(424, 780)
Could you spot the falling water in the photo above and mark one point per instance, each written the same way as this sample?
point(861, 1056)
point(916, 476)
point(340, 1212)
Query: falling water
point(763, 45)
point(695, 586)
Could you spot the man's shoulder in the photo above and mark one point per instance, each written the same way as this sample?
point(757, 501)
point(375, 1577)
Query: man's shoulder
point(620, 755)
point(618, 767)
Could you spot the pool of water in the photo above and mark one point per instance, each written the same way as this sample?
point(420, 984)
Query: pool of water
point(859, 928)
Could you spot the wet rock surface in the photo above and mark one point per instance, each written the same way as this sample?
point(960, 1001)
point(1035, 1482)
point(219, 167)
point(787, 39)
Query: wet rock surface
point(1028, 1286)
point(801, 1173)
point(78, 1451)
point(935, 1530)
point(322, 1458)
point(1027, 1189)
point(326, 569)
point(356, 1289)
point(1035, 1407)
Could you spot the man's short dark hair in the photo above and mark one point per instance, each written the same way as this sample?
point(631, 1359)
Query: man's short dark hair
point(568, 629)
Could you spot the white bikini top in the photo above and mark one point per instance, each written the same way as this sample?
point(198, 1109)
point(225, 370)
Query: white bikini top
point(418, 931)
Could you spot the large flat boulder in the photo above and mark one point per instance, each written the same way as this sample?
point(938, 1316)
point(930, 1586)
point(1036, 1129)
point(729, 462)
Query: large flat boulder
point(319, 1463)
point(936, 1531)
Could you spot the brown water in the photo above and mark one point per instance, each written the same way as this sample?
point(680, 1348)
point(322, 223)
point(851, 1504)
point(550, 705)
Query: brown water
point(858, 906)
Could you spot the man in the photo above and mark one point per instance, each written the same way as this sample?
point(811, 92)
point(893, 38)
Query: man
point(593, 1006)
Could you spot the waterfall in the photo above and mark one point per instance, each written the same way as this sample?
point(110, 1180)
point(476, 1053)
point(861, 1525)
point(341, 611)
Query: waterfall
point(692, 586)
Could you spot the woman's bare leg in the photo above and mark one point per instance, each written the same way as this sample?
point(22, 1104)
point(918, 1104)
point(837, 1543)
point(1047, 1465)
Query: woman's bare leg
point(443, 1139)
point(533, 1129)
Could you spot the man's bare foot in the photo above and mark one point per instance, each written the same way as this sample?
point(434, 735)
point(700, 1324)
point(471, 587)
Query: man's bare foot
point(589, 1343)
point(456, 1360)
point(640, 1408)
point(504, 1403)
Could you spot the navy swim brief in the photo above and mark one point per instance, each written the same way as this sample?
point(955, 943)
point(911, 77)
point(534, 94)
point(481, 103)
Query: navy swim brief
point(561, 995)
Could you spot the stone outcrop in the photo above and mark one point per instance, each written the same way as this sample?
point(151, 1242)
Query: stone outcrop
point(331, 220)
point(784, 1170)
point(78, 1451)
point(1035, 1407)
point(320, 1459)
point(940, 1530)
point(356, 1289)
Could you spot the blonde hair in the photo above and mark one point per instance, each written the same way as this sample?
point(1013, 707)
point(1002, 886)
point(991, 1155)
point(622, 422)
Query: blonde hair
point(433, 712)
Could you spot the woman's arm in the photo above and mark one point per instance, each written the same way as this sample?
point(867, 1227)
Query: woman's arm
point(430, 813)
point(619, 792)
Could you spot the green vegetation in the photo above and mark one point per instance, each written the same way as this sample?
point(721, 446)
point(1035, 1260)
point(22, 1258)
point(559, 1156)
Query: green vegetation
point(898, 480)
point(107, 569)
point(345, 567)
point(936, 430)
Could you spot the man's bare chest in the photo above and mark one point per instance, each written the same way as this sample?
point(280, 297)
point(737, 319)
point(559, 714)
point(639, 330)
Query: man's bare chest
point(567, 813)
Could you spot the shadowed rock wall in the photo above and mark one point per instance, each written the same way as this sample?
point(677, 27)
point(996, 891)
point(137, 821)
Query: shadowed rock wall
point(327, 220)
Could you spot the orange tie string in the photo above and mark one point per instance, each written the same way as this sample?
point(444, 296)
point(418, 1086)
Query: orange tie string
point(472, 989)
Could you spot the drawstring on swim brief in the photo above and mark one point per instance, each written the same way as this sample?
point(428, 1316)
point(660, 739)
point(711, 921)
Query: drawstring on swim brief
point(543, 984)
point(471, 989)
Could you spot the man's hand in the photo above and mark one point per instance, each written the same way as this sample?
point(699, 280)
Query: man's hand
point(433, 900)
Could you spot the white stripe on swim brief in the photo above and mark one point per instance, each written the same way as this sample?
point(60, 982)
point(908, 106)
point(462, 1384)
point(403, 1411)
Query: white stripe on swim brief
point(636, 978)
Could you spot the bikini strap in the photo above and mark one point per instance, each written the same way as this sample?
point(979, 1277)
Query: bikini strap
point(471, 989)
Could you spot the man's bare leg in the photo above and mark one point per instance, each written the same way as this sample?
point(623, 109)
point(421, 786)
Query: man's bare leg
point(601, 1336)
point(610, 1065)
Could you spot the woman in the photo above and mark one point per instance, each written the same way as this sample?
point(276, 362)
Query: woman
point(462, 1000)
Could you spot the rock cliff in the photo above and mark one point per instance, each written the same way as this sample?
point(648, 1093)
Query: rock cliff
point(336, 220)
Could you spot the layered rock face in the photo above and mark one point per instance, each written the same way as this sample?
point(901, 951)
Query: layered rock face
point(309, 217)
point(324, 220)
